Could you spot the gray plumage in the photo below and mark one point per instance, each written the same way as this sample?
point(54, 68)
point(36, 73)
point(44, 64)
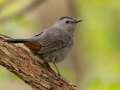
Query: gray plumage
point(55, 47)
point(55, 42)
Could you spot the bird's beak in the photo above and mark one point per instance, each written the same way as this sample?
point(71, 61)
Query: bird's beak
point(77, 21)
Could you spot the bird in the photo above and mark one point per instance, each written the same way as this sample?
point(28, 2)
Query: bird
point(54, 43)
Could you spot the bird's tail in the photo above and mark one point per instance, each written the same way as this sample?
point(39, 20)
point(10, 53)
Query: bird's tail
point(17, 40)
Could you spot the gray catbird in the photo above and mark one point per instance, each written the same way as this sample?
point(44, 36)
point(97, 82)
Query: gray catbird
point(54, 43)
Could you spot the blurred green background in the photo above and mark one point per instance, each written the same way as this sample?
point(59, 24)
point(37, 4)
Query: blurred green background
point(94, 63)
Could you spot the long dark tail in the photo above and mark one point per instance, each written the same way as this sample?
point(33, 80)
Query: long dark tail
point(17, 40)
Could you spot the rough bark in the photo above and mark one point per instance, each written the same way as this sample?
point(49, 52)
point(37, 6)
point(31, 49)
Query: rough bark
point(32, 70)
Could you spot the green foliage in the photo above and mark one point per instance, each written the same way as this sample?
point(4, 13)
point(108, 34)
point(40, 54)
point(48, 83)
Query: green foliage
point(101, 33)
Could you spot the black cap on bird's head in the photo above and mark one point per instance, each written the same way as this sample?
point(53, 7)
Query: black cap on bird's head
point(67, 23)
point(70, 19)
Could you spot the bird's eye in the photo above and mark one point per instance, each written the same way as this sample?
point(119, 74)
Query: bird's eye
point(67, 22)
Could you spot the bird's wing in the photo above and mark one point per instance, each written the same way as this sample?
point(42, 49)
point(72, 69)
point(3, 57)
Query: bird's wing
point(52, 40)
point(38, 34)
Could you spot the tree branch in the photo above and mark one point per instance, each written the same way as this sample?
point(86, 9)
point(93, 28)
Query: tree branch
point(19, 60)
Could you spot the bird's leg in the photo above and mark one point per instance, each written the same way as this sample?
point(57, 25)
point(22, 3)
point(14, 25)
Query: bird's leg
point(49, 68)
point(58, 72)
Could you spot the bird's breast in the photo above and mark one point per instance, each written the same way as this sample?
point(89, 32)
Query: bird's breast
point(58, 55)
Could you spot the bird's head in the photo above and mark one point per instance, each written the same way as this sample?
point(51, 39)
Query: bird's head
point(67, 23)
